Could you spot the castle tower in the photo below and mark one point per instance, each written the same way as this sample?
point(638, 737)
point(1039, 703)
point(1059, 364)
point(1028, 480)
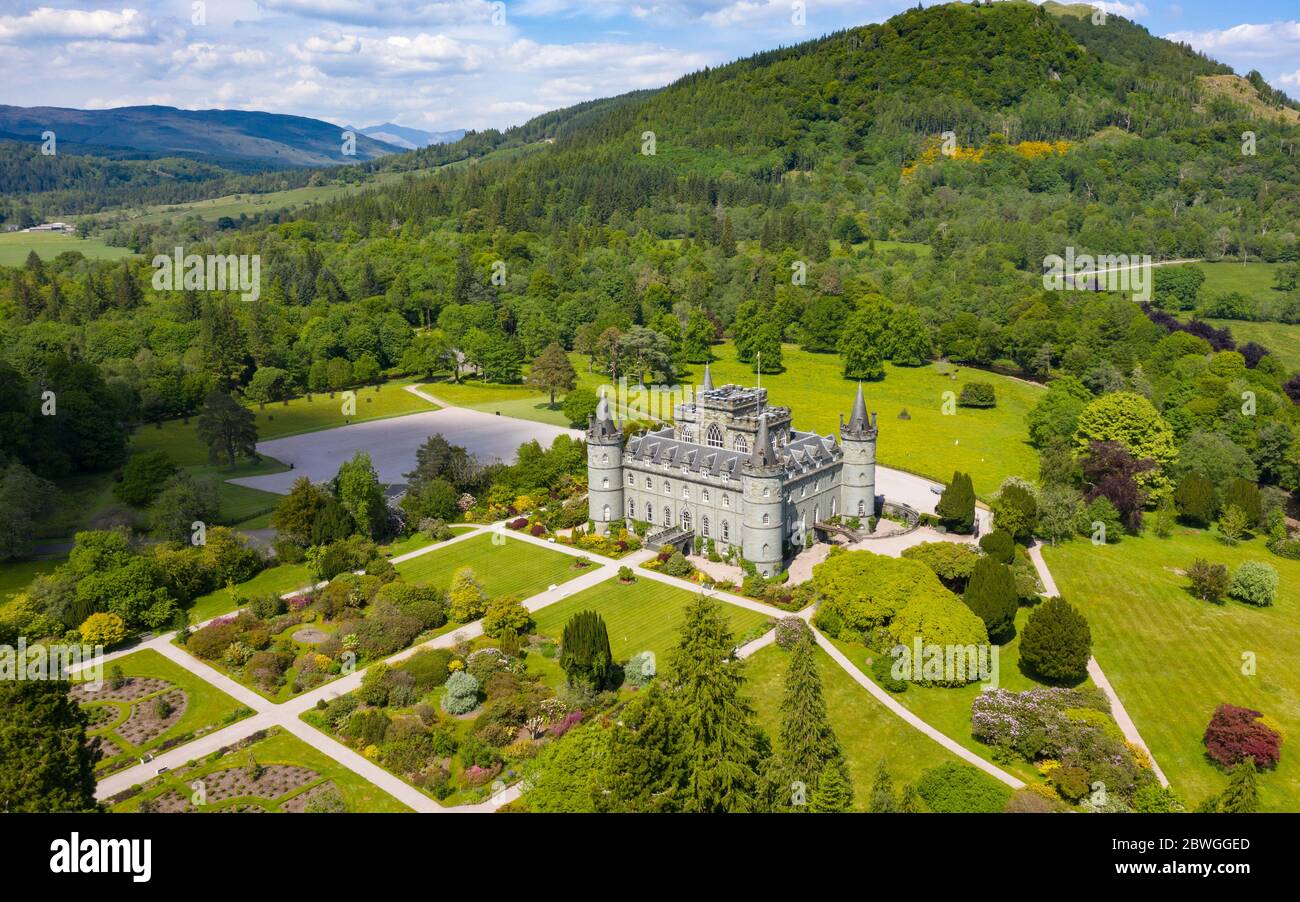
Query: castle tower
point(604, 468)
point(858, 472)
point(763, 528)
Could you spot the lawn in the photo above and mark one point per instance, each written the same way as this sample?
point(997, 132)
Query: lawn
point(1254, 280)
point(989, 444)
point(1281, 339)
point(948, 709)
point(277, 580)
point(15, 246)
point(516, 568)
point(278, 748)
point(519, 401)
point(1173, 658)
point(643, 616)
point(207, 708)
point(868, 732)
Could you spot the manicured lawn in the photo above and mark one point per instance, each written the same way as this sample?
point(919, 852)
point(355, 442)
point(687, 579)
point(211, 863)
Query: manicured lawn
point(416, 541)
point(206, 708)
point(645, 615)
point(1281, 339)
point(868, 732)
point(989, 444)
point(948, 709)
point(15, 246)
point(517, 401)
point(278, 580)
point(359, 795)
point(1173, 658)
point(516, 568)
point(1254, 280)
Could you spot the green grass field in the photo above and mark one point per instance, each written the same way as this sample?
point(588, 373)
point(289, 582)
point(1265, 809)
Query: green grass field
point(517, 401)
point(1254, 280)
point(643, 616)
point(516, 568)
point(948, 709)
point(207, 707)
point(868, 732)
point(1173, 658)
point(15, 575)
point(359, 795)
point(989, 444)
point(15, 246)
point(280, 579)
point(1281, 339)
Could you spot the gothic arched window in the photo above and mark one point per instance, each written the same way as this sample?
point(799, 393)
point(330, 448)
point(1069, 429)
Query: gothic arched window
point(715, 437)
point(739, 444)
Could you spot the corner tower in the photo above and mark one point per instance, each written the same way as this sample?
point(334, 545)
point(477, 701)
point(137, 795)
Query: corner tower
point(858, 472)
point(763, 526)
point(604, 468)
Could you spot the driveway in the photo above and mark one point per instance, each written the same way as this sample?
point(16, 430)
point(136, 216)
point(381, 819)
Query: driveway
point(392, 444)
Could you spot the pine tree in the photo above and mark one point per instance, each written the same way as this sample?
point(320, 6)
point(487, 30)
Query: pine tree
point(882, 792)
point(45, 764)
point(910, 801)
point(1241, 796)
point(552, 372)
point(991, 594)
point(1057, 642)
point(228, 428)
point(645, 770)
point(722, 744)
point(808, 742)
point(956, 508)
point(585, 655)
point(833, 792)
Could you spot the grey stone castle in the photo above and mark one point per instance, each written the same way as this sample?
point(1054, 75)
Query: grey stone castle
point(734, 470)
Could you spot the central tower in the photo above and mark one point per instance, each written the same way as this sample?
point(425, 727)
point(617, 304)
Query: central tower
point(604, 468)
point(764, 497)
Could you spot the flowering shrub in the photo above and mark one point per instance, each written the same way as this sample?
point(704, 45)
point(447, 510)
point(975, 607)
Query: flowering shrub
point(478, 776)
point(298, 602)
point(1235, 734)
point(789, 630)
point(537, 530)
point(518, 523)
point(571, 720)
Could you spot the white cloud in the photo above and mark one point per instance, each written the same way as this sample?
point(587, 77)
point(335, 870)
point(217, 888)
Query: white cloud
point(44, 23)
point(1290, 78)
point(1246, 41)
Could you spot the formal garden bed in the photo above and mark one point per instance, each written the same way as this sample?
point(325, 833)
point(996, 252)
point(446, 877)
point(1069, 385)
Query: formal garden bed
point(147, 704)
point(268, 771)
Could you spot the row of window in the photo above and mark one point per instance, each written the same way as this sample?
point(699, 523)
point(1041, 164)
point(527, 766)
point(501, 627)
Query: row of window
point(667, 519)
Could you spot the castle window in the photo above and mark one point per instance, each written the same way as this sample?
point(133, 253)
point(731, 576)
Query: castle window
point(726, 531)
point(604, 514)
point(765, 492)
point(706, 496)
point(686, 519)
point(604, 458)
point(604, 483)
point(631, 480)
point(739, 444)
point(631, 509)
point(649, 483)
point(688, 434)
point(726, 501)
point(668, 516)
point(704, 525)
point(765, 550)
point(862, 508)
point(766, 519)
point(686, 493)
point(668, 487)
point(714, 437)
point(833, 505)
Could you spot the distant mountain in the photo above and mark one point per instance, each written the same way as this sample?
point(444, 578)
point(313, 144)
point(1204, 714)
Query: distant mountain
point(410, 138)
point(233, 139)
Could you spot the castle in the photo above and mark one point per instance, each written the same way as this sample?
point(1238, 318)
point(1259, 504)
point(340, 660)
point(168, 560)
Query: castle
point(734, 470)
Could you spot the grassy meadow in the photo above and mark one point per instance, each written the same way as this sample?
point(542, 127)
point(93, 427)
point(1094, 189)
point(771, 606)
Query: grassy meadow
point(1173, 658)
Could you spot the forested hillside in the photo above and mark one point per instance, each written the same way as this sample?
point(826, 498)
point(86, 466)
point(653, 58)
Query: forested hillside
point(825, 159)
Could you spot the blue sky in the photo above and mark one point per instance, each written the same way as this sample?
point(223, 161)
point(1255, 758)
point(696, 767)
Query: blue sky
point(443, 64)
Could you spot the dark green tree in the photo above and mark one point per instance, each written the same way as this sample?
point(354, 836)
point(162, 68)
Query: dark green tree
point(228, 429)
point(585, 655)
point(882, 792)
point(1057, 642)
point(833, 794)
point(552, 372)
point(808, 745)
point(1241, 795)
point(991, 594)
point(45, 765)
point(956, 507)
point(723, 748)
point(646, 768)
